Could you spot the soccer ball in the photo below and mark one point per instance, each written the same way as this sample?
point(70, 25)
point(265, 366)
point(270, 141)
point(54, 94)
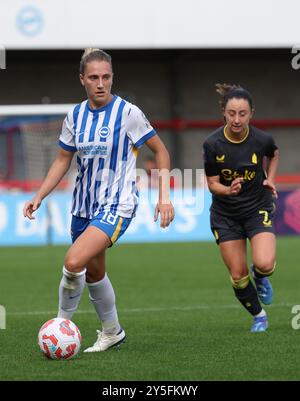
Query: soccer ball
point(59, 339)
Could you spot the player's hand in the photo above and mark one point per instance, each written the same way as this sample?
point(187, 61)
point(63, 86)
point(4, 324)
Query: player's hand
point(268, 184)
point(236, 186)
point(167, 213)
point(31, 206)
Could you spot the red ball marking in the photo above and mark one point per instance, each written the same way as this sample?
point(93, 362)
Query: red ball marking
point(52, 338)
point(47, 352)
point(47, 324)
point(71, 350)
point(65, 328)
point(58, 352)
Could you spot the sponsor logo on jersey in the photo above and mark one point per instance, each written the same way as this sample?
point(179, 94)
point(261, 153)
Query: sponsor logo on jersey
point(220, 159)
point(93, 150)
point(230, 175)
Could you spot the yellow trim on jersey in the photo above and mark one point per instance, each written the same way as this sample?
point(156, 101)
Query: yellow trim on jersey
point(231, 140)
point(216, 234)
point(135, 151)
point(117, 231)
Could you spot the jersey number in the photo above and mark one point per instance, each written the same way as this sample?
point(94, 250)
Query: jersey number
point(266, 221)
point(109, 217)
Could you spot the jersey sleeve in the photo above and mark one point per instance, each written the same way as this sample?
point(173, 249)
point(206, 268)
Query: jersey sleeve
point(209, 161)
point(138, 128)
point(66, 139)
point(270, 146)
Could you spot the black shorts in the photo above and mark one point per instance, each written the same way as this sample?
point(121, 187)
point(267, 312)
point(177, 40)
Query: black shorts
point(229, 229)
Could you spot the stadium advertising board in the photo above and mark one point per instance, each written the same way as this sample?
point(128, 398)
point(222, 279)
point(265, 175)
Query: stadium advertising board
point(42, 24)
point(191, 222)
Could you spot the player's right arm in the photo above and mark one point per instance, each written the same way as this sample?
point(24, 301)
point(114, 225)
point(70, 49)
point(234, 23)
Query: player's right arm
point(56, 172)
point(213, 178)
point(219, 189)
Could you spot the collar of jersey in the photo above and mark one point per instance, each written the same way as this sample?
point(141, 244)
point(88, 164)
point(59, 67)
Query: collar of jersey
point(103, 107)
point(231, 140)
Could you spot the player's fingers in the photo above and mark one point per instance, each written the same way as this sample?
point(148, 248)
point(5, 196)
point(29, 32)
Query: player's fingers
point(163, 219)
point(168, 218)
point(237, 181)
point(27, 210)
point(236, 187)
point(24, 211)
point(29, 214)
point(173, 213)
point(156, 213)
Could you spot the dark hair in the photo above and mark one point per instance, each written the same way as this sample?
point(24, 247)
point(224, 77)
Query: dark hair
point(228, 91)
point(91, 54)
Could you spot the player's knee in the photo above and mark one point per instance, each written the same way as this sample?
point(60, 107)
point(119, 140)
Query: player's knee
point(73, 264)
point(239, 280)
point(267, 265)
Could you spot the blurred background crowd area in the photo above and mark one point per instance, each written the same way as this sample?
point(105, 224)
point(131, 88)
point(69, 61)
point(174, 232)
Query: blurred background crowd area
point(174, 88)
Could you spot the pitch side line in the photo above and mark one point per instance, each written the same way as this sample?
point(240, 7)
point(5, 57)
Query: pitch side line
point(143, 310)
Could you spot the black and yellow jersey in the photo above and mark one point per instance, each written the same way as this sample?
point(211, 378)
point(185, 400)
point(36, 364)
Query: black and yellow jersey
point(232, 159)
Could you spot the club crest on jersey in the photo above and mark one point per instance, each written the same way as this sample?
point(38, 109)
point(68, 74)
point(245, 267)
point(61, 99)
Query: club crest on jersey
point(104, 132)
point(220, 159)
point(254, 158)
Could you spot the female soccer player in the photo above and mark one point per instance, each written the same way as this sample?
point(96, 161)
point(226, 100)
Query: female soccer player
point(106, 132)
point(235, 158)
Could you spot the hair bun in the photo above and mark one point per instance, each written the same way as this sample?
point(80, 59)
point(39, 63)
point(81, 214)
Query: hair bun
point(88, 51)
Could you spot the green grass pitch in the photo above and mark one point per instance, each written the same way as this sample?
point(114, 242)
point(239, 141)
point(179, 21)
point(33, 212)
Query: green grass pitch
point(176, 304)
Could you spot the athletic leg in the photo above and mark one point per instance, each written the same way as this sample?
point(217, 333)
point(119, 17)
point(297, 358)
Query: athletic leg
point(263, 247)
point(234, 254)
point(102, 296)
point(90, 243)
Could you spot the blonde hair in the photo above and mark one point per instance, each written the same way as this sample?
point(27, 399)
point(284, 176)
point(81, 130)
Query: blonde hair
point(92, 54)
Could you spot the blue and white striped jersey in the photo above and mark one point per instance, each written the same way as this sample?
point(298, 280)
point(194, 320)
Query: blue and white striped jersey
point(106, 141)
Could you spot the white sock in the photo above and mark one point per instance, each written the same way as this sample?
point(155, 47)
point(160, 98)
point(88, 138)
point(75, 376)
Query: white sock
point(103, 297)
point(261, 313)
point(70, 290)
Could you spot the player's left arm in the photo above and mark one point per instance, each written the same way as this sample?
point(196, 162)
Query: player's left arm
point(164, 205)
point(269, 182)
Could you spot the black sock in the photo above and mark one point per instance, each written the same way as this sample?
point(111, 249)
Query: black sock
point(248, 298)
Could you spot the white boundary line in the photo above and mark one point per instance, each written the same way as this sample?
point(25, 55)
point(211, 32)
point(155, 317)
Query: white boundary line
point(147, 310)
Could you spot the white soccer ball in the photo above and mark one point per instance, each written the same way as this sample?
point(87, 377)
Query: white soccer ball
point(59, 339)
